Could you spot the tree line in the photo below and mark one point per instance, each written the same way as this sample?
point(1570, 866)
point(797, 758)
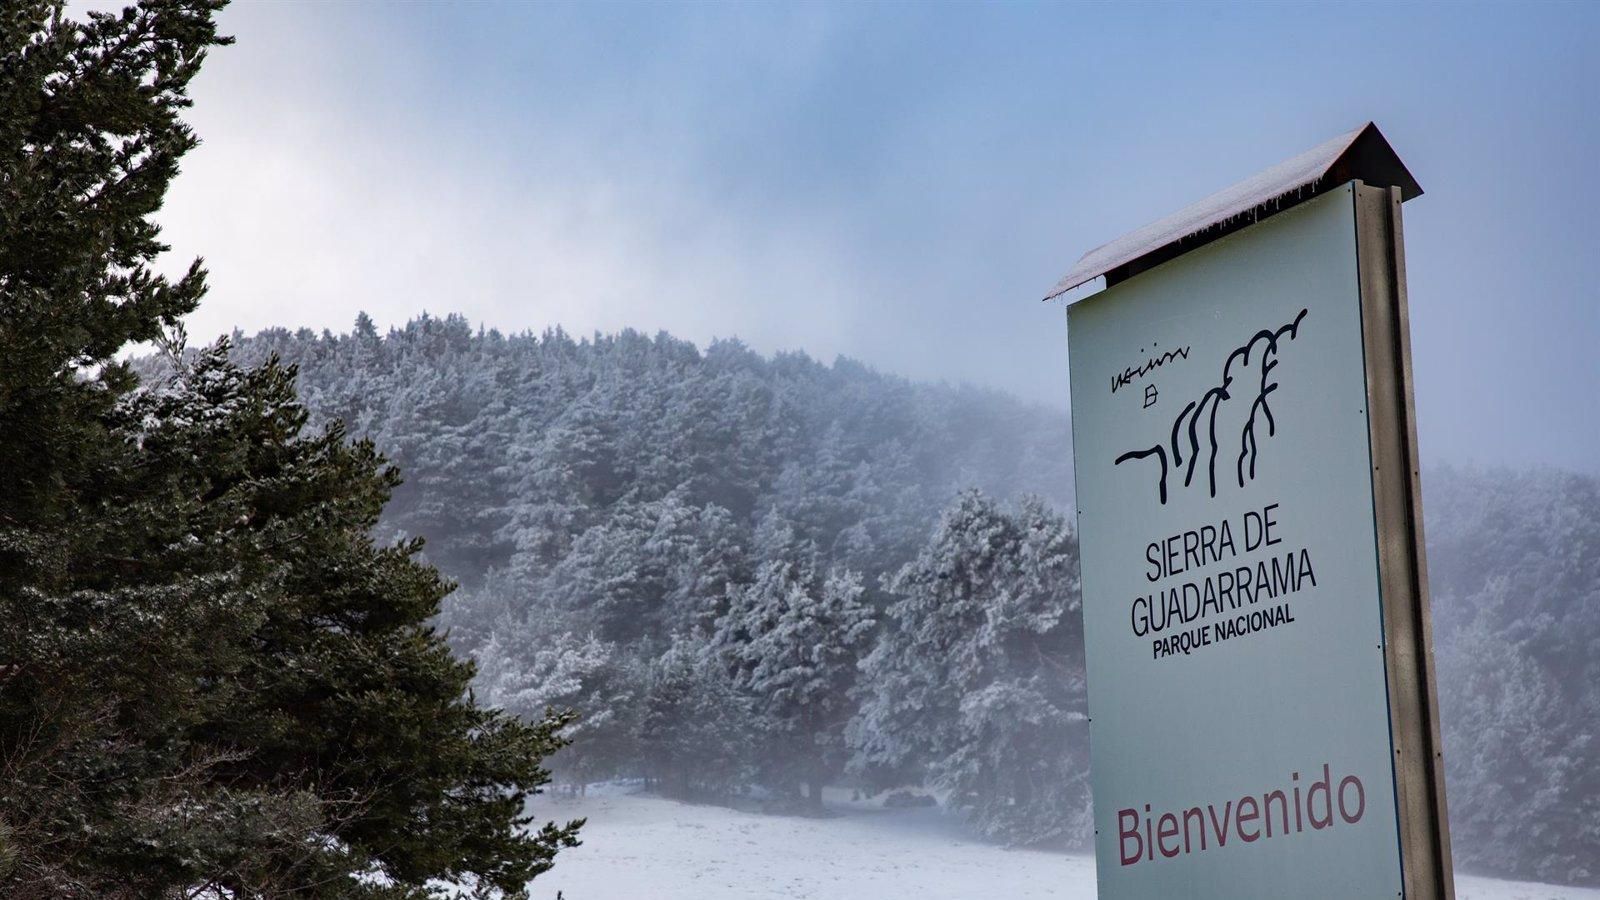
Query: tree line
point(763, 574)
point(735, 567)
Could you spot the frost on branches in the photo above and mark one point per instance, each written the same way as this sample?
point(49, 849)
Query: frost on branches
point(978, 677)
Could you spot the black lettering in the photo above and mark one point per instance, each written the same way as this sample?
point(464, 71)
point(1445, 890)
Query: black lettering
point(1252, 531)
point(1305, 573)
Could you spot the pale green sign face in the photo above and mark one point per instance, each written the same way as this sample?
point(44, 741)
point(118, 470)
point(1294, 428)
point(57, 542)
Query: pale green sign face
point(1239, 718)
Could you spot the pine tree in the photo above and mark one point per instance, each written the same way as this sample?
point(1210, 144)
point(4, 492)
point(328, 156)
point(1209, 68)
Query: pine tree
point(90, 137)
point(528, 672)
point(792, 641)
point(695, 728)
point(978, 677)
point(213, 681)
point(1514, 564)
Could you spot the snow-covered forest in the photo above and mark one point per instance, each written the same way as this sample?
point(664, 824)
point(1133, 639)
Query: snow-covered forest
point(754, 577)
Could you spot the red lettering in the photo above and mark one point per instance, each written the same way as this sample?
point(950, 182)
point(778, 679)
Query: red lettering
point(1149, 841)
point(1200, 819)
point(1361, 799)
point(1128, 827)
point(1252, 815)
point(1283, 804)
point(1221, 831)
point(1326, 786)
point(1141, 835)
point(1163, 832)
point(1299, 823)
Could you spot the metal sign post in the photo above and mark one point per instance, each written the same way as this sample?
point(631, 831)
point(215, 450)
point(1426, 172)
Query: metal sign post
point(1263, 709)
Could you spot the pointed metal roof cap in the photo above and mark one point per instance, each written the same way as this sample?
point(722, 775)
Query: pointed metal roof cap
point(1362, 154)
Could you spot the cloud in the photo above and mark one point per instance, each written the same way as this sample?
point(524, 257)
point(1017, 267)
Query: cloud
point(319, 193)
point(892, 184)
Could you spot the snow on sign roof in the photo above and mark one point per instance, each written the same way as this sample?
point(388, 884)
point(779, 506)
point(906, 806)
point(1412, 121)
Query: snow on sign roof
point(1361, 154)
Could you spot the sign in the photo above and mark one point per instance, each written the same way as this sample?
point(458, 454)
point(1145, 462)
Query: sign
point(1260, 682)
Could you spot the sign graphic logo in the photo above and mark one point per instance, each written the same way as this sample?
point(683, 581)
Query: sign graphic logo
point(1189, 420)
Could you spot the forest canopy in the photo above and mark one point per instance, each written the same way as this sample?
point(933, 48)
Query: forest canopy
point(642, 524)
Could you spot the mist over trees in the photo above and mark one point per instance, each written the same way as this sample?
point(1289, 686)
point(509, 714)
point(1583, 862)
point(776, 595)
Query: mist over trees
point(515, 446)
point(700, 551)
point(750, 575)
point(977, 679)
point(1514, 564)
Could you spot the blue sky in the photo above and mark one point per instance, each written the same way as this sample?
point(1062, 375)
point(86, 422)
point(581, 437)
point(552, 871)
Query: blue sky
point(899, 183)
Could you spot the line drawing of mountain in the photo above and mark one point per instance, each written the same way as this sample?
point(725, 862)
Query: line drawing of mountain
point(1208, 405)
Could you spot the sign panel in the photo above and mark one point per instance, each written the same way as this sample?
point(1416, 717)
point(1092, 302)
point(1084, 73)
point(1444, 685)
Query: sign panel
point(1240, 713)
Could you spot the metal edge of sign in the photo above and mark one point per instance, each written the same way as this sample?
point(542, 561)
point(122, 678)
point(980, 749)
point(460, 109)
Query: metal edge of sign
point(1088, 698)
point(1423, 826)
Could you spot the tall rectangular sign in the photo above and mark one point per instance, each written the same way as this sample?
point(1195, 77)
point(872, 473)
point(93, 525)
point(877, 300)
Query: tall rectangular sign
point(1255, 618)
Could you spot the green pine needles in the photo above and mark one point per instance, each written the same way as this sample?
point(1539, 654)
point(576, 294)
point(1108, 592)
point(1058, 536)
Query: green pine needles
point(213, 683)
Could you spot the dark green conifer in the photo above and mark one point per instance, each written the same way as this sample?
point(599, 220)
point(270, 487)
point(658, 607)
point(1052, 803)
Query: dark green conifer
point(213, 682)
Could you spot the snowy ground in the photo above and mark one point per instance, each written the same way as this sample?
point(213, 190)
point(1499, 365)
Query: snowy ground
point(644, 848)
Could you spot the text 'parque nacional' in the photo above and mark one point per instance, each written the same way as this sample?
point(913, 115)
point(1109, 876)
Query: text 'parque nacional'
point(1228, 594)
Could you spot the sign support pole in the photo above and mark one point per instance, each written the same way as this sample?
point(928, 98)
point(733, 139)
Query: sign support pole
point(1402, 563)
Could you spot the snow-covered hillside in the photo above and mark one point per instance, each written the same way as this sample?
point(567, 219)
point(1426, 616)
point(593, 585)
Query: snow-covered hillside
point(639, 847)
point(646, 532)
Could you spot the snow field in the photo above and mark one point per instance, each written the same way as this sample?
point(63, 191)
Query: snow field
point(642, 847)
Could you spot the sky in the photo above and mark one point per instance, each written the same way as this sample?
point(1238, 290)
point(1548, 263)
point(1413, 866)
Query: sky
point(898, 183)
